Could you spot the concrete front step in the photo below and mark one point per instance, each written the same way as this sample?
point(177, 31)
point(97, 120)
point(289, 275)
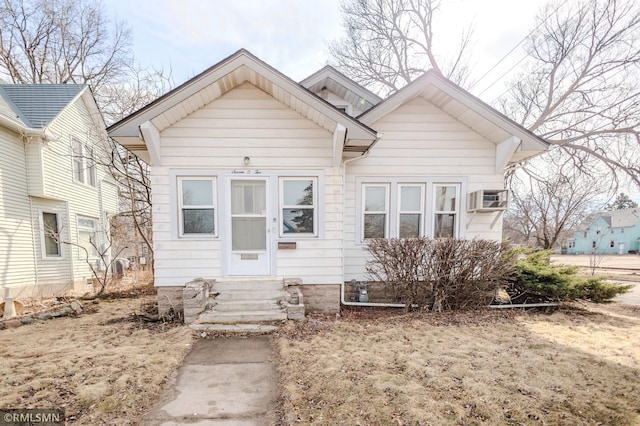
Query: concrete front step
point(247, 284)
point(215, 317)
point(237, 295)
point(246, 305)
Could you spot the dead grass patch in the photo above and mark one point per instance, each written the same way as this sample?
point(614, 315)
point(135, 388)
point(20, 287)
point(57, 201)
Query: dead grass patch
point(577, 366)
point(103, 367)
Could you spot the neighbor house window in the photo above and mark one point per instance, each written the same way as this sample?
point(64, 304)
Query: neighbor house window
point(197, 206)
point(84, 165)
point(375, 211)
point(298, 206)
point(88, 237)
point(593, 244)
point(410, 211)
point(445, 210)
point(51, 232)
point(612, 244)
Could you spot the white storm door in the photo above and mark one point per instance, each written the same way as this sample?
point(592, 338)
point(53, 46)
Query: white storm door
point(250, 248)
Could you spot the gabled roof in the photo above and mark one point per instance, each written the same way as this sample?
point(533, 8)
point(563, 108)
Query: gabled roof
point(464, 107)
point(623, 218)
point(331, 79)
point(226, 75)
point(37, 105)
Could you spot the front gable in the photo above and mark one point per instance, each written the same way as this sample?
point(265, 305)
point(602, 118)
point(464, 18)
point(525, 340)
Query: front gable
point(246, 122)
point(140, 131)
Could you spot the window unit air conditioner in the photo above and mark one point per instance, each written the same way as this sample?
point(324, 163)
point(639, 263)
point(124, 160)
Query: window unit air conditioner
point(488, 200)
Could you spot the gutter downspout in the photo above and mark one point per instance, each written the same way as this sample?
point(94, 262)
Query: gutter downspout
point(344, 191)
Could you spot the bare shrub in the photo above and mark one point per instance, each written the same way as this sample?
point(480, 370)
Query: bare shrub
point(440, 274)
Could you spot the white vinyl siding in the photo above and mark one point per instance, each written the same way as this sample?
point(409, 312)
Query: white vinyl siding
point(421, 144)
point(17, 257)
point(281, 144)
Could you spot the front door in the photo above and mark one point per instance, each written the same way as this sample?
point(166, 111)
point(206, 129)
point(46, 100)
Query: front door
point(250, 248)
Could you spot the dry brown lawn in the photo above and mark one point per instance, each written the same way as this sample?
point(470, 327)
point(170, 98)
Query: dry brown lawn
point(572, 367)
point(102, 367)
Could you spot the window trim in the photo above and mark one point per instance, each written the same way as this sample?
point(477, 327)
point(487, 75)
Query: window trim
point(214, 206)
point(282, 207)
point(386, 212)
point(43, 235)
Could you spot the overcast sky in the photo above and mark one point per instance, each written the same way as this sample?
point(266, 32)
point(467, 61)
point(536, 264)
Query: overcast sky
point(188, 36)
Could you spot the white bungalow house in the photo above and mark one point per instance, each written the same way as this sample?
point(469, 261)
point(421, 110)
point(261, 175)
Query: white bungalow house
point(259, 180)
point(54, 200)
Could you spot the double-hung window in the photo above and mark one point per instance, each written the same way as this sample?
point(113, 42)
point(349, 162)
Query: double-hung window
point(298, 205)
point(375, 211)
point(403, 208)
point(84, 165)
point(197, 206)
point(410, 210)
point(88, 237)
point(51, 231)
point(446, 202)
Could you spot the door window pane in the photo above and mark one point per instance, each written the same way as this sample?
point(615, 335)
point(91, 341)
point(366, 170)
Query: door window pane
point(248, 197)
point(248, 233)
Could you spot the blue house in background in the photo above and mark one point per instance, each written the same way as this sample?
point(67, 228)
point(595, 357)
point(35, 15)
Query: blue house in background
point(614, 232)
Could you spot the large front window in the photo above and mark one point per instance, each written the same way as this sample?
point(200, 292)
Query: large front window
point(399, 208)
point(298, 206)
point(197, 206)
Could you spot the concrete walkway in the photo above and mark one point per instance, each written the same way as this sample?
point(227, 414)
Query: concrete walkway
point(228, 381)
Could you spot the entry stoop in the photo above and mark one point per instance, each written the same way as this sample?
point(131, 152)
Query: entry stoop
point(244, 305)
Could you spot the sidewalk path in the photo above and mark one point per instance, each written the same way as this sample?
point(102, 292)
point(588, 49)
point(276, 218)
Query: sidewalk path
point(223, 382)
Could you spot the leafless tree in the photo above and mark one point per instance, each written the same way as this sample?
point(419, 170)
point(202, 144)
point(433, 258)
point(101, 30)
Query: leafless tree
point(580, 89)
point(74, 41)
point(389, 43)
point(551, 197)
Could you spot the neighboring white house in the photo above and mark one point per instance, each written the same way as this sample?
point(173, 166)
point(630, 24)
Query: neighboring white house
point(255, 175)
point(54, 199)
